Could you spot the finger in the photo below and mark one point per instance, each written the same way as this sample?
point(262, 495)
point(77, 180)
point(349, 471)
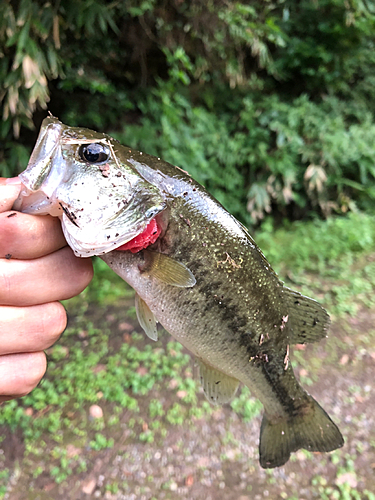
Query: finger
point(8, 193)
point(57, 276)
point(29, 329)
point(24, 236)
point(20, 373)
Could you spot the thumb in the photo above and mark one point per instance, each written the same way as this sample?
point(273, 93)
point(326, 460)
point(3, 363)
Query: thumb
point(9, 190)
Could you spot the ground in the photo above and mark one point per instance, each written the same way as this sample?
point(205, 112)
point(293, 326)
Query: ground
point(120, 417)
point(214, 455)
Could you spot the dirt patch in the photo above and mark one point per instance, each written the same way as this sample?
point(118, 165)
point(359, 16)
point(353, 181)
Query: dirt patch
point(216, 457)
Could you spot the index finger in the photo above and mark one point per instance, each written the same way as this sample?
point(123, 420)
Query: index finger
point(24, 236)
point(8, 192)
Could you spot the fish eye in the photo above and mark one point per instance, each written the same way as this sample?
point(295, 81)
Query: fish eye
point(94, 153)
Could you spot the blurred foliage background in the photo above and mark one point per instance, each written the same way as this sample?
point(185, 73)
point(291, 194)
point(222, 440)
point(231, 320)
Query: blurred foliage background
point(269, 104)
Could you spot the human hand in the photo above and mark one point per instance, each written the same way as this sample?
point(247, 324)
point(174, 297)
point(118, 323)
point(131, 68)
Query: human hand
point(37, 270)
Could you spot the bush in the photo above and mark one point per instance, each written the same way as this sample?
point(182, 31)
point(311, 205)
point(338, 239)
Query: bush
point(269, 105)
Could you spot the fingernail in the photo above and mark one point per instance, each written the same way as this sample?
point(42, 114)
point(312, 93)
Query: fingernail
point(13, 180)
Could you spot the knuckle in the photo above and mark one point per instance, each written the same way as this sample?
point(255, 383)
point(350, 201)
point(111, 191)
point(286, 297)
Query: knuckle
point(83, 275)
point(36, 368)
point(86, 274)
point(57, 321)
point(5, 282)
point(10, 227)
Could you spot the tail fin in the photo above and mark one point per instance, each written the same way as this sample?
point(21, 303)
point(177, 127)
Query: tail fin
point(312, 430)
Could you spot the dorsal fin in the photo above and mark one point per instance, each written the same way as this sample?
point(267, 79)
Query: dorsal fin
point(308, 319)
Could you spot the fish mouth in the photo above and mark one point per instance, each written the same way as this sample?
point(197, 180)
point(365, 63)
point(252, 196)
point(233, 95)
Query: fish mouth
point(32, 199)
point(35, 202)
point(39, 165)
point(132, 237)
point(91, 223)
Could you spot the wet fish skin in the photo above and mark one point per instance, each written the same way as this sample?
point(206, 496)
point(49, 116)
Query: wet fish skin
point(101, 206)
point(227, 306)
point(236, 317)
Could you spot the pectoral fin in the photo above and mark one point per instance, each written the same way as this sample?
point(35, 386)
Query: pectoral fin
point(146, 318)
point(309, 320)
point(168, 270)
point(218, 387)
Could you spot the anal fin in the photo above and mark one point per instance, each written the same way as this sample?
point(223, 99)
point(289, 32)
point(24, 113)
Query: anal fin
point(308, 319)
point(218, 387)
point(146, 318)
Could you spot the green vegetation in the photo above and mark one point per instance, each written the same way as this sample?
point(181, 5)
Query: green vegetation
point(332, 258)
point(144, 389)
point(269, 105)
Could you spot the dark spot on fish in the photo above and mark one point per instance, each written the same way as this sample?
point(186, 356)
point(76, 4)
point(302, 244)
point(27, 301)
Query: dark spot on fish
point(297, 302)
point(117, 234)
point(261, 357)
point(71, 216)
point(108, 236)
point(12, 215)
point(118, 174)
point(104, 170)
point(185, 193)
point(274, 376)
point(9, 255)
point(315, 322)
point(187, 221)
point(208, 288)
point(245, 341)
point(218, 382)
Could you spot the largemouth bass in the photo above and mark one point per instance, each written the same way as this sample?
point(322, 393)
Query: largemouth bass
point(195, 269)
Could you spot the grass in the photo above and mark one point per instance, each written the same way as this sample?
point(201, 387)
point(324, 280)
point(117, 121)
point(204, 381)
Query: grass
point(96, 363)
point(333, 260)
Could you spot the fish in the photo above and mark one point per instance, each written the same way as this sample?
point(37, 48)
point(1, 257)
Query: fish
point(195, 269)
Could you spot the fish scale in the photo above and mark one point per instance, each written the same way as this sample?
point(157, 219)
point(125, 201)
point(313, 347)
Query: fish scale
point(204, 278)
